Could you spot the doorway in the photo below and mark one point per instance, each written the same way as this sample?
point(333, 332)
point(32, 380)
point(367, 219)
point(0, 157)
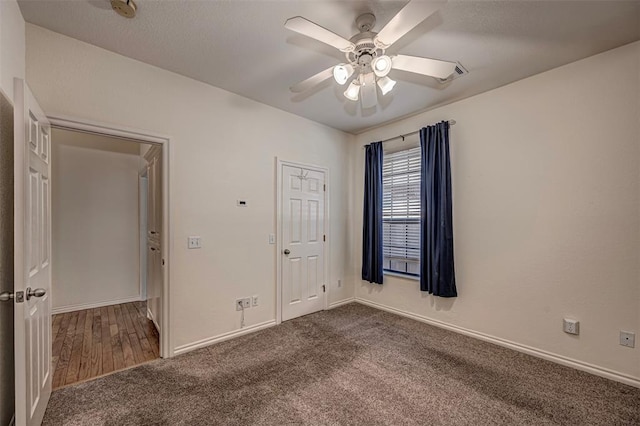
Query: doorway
point(100, 322)
point(302, 230)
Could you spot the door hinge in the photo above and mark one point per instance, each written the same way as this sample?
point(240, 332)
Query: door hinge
point(324, 187)
point(324, 289)
point(324, 238)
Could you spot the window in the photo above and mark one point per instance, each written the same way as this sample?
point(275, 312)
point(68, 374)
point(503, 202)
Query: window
point(401, 212)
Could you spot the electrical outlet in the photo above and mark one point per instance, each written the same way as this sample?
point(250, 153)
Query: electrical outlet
point(628, 338)
point(245, 302)
point(194, 242)
point(571, 326)
point(254, 300)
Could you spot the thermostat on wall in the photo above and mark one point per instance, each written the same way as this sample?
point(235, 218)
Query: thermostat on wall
point(242, 203)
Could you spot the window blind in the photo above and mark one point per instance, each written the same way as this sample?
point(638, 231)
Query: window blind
point(401, 211)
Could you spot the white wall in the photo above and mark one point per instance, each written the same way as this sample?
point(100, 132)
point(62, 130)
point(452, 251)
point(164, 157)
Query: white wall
point(546, 181)
point(95, 235)
point(223, 147)
point(12, 45)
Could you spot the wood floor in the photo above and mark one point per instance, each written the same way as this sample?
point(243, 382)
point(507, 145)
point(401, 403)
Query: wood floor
point(93, 342)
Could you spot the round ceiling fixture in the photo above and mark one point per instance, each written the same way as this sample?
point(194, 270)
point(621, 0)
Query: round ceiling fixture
point(126, 8)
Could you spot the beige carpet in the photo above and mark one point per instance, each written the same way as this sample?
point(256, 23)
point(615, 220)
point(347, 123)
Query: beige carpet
point(353, 365)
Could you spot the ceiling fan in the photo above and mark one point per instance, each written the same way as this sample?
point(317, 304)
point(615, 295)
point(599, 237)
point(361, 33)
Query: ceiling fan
point(367, 61)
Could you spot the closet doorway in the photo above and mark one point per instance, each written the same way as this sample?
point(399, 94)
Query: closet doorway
point(107, 280)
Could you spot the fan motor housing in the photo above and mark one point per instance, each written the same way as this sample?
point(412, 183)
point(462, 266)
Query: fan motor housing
point(364, 52)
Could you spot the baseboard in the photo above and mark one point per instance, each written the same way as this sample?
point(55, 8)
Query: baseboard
point(341, 302)
point(81, 306)
point(153, 319)
point(549, 356)
point(222, 337)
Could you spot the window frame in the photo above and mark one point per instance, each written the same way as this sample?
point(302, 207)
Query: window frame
point(401, 213)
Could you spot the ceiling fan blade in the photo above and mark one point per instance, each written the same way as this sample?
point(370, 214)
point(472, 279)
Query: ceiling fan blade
point(368, 92)
point(425, 66)
point(313, 30)
point(405, 20)
point(312, 81)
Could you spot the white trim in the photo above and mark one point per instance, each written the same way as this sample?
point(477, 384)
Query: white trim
point(342, 302)
point(222, 337)
point(152, 318)
point(401, 276)
point(107, 129)
point(326, 249)
point(81, 306)
point(539, 353)
point(142, 234)
point(113, 130)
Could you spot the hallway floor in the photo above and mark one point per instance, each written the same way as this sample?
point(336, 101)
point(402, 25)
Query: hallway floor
point(94, 342)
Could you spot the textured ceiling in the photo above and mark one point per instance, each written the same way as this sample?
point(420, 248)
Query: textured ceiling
point(242, 46)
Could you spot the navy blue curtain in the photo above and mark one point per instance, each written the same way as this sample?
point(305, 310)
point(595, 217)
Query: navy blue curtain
point(372, 222)
point(437, 272)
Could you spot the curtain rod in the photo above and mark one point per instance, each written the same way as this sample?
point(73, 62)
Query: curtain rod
point(451, 123)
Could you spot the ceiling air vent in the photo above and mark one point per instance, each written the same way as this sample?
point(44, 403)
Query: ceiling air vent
point(459, 72)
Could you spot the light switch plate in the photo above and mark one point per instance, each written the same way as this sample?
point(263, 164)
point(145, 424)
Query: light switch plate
point(194, 242)
point(272, 238)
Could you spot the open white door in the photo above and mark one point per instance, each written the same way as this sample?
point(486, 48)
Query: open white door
point(32, 244)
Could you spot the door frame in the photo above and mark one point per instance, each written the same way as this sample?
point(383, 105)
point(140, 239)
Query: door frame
point(142, 236)
point(327, 230)
point(142, 136)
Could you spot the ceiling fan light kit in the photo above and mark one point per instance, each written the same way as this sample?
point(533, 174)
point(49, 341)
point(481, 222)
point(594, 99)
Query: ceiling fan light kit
point(352, 91)
point(386, 85)
point(342, 72)
point(381, 65)
point(366, 56)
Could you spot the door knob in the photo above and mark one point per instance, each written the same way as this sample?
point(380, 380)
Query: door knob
point(287, 251)
point(5, 296)
point(38, 292)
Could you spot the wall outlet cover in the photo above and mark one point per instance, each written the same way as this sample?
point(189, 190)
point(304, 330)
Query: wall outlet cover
point(628, 339)
point(571, 326)
point(254, 300)
point(194, 242)
point(245, 302)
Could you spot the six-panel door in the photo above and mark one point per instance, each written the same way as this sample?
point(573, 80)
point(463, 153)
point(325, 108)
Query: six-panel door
point(32, 247)
point(303, 235)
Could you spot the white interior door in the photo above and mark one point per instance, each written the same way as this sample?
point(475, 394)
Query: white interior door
point(32, 257)
point(303, 235)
